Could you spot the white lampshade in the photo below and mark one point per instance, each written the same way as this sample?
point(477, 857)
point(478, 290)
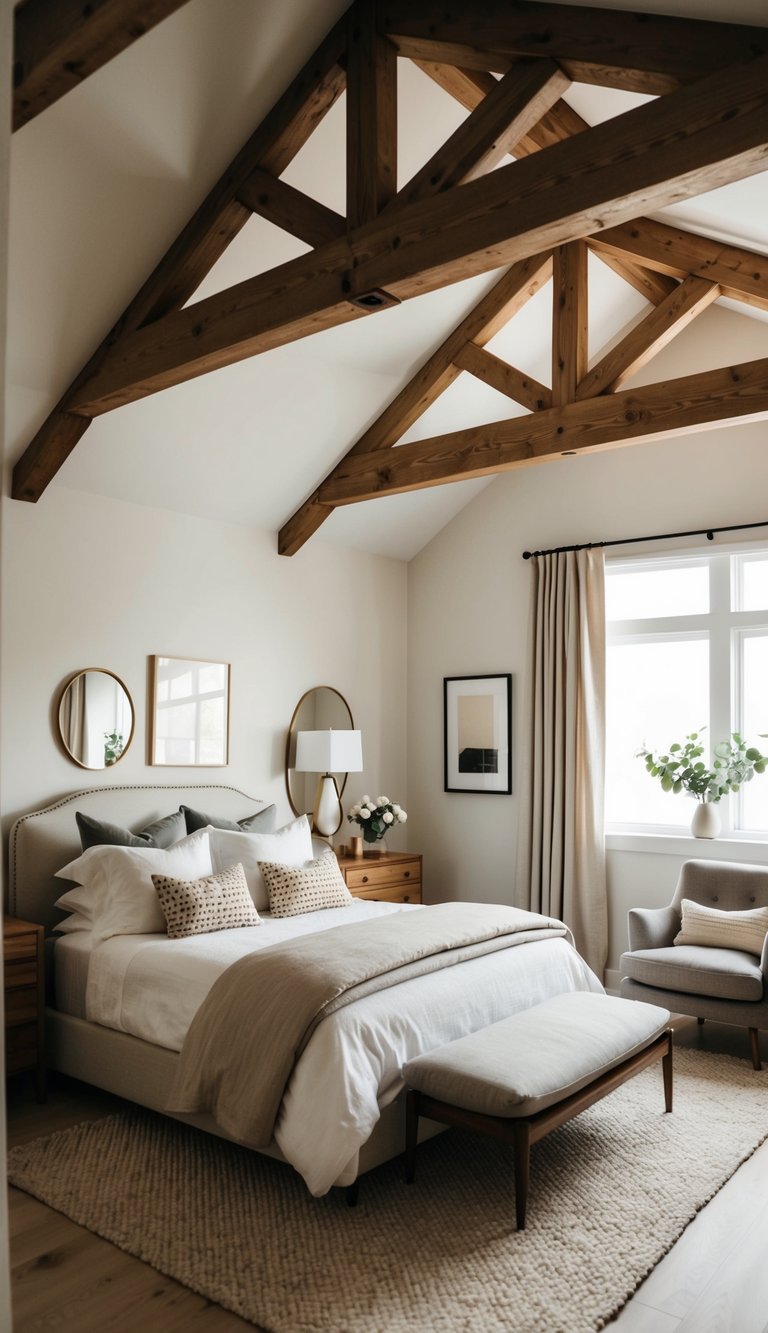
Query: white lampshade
point(329, 752)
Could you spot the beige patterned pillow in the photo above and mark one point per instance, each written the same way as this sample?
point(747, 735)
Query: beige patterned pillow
point(216, 902)
point(723, 930)
point(308, 888)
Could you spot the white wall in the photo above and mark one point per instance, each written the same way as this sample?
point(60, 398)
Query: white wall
point(468, 608)
point(97, 582)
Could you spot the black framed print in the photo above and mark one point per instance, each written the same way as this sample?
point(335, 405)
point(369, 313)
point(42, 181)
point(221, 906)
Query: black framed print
point(477, 733)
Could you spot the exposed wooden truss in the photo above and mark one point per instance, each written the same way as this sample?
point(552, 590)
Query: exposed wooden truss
point(58, 43)
point(570, 187)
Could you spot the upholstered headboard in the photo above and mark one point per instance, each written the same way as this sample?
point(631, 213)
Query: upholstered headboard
point(43, 841)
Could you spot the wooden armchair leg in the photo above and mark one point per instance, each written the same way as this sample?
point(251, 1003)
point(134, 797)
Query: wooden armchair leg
point(700, 1022)
point(666, 1063)
point(754, 1042)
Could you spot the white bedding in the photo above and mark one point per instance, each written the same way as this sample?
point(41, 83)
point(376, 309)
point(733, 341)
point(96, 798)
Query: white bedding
point(151, 987)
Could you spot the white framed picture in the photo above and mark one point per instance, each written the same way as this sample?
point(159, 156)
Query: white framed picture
point(189, 713)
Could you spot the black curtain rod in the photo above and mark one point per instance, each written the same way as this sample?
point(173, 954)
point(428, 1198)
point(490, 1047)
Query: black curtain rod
point(709, 533)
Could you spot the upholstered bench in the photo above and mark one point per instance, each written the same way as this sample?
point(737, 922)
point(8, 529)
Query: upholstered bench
point(521, 1078)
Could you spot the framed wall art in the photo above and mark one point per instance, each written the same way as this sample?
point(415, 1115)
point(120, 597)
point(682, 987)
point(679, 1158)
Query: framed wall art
point(189, 713)
point(477, 735)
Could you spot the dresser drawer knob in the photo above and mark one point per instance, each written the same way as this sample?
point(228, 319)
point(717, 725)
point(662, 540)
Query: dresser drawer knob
point(406, 897)
point(365, 879)
point(407, 875)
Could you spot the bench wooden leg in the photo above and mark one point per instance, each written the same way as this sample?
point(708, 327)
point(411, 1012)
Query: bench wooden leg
point(754, 1042)
point(666, 1062)
point(522, 1147)
point(411, 1134)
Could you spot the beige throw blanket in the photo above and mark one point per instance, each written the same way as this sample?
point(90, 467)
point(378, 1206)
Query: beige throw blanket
point(259, 1015)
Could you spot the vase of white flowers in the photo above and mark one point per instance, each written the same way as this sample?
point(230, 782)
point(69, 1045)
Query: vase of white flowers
point(376, 818)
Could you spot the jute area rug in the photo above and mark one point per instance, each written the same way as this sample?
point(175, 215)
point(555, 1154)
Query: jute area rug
point(610, 1193)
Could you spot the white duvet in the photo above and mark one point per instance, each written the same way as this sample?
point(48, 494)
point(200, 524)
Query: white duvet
point(151, 987)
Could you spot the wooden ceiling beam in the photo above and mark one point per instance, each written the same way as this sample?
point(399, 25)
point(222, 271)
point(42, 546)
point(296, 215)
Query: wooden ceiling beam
point(469, 87)
point(275, 143)
point(57, 44)
point(644, 52)
point(741, 274)
point(648, 337)
point(502, 377)
point(705, 135)
point(570, 349)
point(371, 116)
point(709, 399)
point(512, 107)
point(491, 313)
point(290, 209)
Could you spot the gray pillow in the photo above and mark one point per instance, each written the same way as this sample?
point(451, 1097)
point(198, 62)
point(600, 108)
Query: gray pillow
point(160, 833)
point(261, 821)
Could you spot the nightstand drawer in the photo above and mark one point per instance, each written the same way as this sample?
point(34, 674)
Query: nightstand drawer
point(20, 1048)
point(19, 946)
point(21, 1006)
point(20, 974)
point(372, 876)
point(397, 894)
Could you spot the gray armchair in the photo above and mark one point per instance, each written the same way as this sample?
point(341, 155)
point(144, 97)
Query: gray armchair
point(722, 984)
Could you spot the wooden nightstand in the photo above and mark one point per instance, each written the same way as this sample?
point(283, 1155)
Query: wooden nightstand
point(390, 877)
point(24, 980)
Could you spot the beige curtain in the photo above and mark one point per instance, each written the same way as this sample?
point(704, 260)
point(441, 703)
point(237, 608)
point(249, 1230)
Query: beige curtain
point(561, 851)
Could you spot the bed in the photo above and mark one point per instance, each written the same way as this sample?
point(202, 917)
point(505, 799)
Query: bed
point(119, 1011)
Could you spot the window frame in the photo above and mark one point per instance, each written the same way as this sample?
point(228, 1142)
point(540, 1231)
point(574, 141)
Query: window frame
point(726, 630)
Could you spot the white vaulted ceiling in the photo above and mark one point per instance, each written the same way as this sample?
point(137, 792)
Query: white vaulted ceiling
point(104, 179)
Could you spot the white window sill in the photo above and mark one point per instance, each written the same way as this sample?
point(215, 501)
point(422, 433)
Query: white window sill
point(728, 847)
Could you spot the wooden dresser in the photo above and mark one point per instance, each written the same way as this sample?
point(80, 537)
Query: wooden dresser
point(24, 981)
point(391, 877)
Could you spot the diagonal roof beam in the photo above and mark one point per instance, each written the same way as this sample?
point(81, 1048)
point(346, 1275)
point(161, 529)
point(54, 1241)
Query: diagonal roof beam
point(491, 313)
point(206, 236)
point(705, 135)
point(742, 274)
point(58, 43)
point(469, 87)
point(502, 377)
point(645, 53)
point(648, 337)
point(712, 398)
point(512, 107)
point(291, 209)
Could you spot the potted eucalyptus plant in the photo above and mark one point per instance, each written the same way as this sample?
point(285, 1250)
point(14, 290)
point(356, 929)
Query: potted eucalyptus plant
point(682, 768)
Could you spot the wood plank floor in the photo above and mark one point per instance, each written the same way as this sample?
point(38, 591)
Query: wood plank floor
point(714, 1280)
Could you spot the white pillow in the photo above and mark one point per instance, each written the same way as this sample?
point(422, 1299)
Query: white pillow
point(118, 881)
point(74, 922)
point(79, 901)
point(291, 845)
point(723, 930)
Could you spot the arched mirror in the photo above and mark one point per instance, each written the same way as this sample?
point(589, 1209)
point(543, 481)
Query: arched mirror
point(317, 710)
point(96, 718)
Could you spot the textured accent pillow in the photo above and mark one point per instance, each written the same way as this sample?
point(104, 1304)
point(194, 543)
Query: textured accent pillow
point(294, 890)
point(120, 894)
point(723, 930)
point(290, 845)
point(262, 821)
point(216, 902)
point(160, 833)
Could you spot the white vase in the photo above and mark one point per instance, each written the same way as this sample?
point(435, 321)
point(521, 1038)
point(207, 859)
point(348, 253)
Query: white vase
point(706, 820)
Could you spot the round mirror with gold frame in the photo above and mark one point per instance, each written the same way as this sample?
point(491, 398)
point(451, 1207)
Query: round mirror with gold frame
point(321, 708)
point(96, 718)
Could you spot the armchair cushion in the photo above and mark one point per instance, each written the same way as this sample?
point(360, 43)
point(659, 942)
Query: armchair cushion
point(723, 930)
point(725, 974)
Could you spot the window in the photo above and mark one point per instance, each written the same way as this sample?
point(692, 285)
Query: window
point(687, 650)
